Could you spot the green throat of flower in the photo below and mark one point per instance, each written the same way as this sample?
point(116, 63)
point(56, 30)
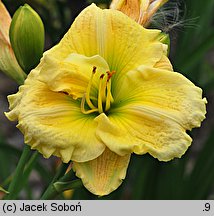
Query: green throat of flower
point(104, 98)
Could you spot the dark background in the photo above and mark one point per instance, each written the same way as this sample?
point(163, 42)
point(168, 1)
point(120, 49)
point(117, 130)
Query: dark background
point(191, 29)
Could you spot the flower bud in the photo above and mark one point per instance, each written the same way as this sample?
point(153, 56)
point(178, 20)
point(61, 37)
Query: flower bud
point(8, 62)
point(139, 10)
point(27, 37)
point(165, 39)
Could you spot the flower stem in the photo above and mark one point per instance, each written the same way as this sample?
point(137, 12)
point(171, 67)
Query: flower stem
point(49, 193)
point(27, 170)
point(61, 171)
point(56, 188)
point(63, 186)
point(13, 189)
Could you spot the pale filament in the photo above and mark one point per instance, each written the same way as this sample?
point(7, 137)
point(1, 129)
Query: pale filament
point(104, 94)
point(87, 97)
point(83, 107)
point(100, 94)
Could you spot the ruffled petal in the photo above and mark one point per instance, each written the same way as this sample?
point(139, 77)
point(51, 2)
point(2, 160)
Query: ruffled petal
point(104, 174)
point(164, 64)
point(53, 123)
point(143, 131)
point(72, 74)
point(102, 32)
point(170, 92)
point(151, 113)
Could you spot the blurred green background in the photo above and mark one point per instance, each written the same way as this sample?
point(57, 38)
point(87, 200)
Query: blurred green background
point(190, 24)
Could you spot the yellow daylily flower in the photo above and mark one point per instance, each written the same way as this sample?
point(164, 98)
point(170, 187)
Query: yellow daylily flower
point(139, 10)
point(107, 90)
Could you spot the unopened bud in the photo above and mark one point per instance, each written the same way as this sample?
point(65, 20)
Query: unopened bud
point(165, 39)
point(139, 10)
point(8, 62)
point(27, 37)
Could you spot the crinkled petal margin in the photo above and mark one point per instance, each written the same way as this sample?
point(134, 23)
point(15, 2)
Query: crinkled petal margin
point(152, 113)
point(104, 174)
point(110, 34)
point(53, 124)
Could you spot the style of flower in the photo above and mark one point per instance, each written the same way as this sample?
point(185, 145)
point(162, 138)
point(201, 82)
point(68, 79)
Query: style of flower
point(107, 90)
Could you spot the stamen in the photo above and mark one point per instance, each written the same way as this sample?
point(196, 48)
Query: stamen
point(109, 96)
point(94, 69)
point(100, 94)
point(83, 106)
point(104, 98)
point(90, 104)
point(101, 76)
point(110, 74)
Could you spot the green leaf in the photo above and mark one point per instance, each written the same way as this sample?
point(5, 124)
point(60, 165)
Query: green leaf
point(13, 189)
point(201, 179)
point(198, 52)
point(145, 169)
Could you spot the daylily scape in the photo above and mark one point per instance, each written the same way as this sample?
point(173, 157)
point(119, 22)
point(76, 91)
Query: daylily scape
point(107, 90)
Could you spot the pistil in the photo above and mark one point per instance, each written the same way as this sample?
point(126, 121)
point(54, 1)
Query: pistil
point(104, 99)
